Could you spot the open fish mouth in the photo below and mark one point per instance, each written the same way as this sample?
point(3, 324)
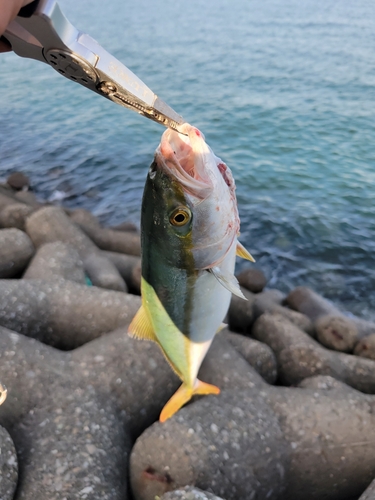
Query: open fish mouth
point(186, 158)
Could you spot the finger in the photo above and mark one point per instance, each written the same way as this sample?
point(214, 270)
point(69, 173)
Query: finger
point(9, 10)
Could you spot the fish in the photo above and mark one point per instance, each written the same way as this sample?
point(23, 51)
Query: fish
point(189, 230)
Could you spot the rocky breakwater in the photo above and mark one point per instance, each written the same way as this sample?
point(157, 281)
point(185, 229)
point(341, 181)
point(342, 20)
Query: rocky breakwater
point(295, 417)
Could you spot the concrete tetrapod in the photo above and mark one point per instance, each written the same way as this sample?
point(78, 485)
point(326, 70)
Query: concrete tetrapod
point(74, 415)
point(51, 224)
point(16, 250)
point(63, 313)
point(334, 329)
point(54, 261)
point(127, 242)
point(263, 442)
point(299, 356)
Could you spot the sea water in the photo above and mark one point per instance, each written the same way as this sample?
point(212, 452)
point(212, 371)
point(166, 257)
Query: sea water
point(284, 92)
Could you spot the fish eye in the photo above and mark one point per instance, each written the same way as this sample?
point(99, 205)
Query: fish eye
point(180, 216)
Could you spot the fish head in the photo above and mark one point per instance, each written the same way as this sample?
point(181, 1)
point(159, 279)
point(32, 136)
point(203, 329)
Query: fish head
point(166, 222)
point(189, 177)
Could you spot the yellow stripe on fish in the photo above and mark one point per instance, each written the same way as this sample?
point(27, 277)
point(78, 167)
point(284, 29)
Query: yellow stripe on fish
point(152, 322)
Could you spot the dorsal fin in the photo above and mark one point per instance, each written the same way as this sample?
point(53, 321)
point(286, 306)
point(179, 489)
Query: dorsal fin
point(221, 327)
point(243, 253)
point(140, 327)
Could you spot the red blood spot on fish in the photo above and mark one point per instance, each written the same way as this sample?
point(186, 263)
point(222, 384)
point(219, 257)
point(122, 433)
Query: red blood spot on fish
point(197, 132)
point(218, 208)
point(224, 172)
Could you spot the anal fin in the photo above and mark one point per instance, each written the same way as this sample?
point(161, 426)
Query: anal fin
point(243, 253)
point(183, 395)
point(141, 327)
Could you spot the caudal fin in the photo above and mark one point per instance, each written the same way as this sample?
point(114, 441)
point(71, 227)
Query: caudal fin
point(183, 395)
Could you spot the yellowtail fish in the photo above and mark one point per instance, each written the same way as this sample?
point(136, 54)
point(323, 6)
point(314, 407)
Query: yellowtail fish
point(189, 229)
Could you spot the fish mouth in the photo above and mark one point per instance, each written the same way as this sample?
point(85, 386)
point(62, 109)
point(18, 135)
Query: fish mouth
point(183, 156)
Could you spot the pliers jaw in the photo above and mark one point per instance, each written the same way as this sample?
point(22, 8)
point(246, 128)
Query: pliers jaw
point(42, 32)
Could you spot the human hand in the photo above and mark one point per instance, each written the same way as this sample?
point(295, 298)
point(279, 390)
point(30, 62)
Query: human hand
point(8, 11)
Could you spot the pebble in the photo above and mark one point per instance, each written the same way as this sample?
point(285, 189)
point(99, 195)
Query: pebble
point(18, 181)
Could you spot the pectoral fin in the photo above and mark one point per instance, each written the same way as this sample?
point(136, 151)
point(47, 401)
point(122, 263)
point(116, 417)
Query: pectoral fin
point(183, 395)
point(221, 327)
point(243, 253)
point(141, 327)
point(229, 281)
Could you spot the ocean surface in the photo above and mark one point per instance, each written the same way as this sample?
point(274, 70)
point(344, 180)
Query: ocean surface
point(284, 92)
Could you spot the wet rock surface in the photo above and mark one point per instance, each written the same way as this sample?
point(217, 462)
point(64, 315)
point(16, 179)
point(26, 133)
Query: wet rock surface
point(294, 419)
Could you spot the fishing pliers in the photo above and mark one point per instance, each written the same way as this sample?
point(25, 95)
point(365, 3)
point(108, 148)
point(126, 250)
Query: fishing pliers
point(42, 32)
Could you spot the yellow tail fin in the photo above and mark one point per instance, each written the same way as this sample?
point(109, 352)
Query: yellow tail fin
point(183, 395)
